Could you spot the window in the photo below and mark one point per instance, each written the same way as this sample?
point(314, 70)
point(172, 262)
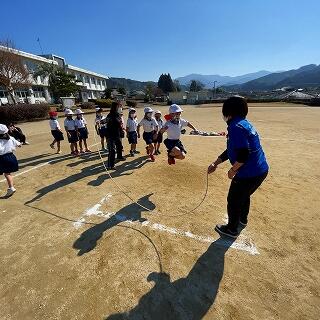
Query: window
point(93, 80)
point(38, 92)
point(99, 82)
point(87, 79)
point(21, 93)
point(2, 94)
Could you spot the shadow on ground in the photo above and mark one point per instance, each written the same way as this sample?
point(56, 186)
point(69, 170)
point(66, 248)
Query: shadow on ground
point(187, 298)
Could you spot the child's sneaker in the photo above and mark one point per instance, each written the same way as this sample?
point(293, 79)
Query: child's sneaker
point(10, 192)
point(131, 153)
point(171, 160)
point(153, 159)
point(82, 152)
point(136, 152)
point(224, 230)
point(52, 146)
point(58, 152)
point(87, 150)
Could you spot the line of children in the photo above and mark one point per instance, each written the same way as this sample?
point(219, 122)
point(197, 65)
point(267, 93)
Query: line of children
point(150, 131)
point(55, 131)
point(82, 130)
point(8, 161)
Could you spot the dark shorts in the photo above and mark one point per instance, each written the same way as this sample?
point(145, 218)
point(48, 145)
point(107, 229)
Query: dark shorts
point(83, 133)
point(170, 144)
point(159, 138)
point(103, 132)
point(132, 137)
point(58, 135)
point(8, 163)
point(148, 137)
point(73, 136)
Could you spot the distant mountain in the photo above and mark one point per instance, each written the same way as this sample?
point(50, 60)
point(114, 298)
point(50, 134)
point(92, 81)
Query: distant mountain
point(306, 76)
point(208, 80)
point(128, 84)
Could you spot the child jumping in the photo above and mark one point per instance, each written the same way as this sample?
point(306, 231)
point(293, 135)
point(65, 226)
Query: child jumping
point(81, 126)
point(150, 128)
point(173, 127)
point(159, 137)
point(55, 131)
point(70, 127)
point(131, 128)
point(8, 161)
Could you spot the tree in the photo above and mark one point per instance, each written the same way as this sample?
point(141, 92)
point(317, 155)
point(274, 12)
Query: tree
point(166, 84)
point(149, 89)
point(13, 72)
point(177, 85)
point(122, 90)
point(196, 86)
point(107, 93)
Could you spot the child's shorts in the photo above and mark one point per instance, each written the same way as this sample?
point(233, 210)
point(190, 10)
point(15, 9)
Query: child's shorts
point(148, 137)
point(159, 138)
point(132, 137)
point(57, 134)
point(83, 133)
point(170, 144)
point(8, 163)
point(73, 136)
point(103, 132)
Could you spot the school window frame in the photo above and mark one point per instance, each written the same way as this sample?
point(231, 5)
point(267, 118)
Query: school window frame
point(38, 92)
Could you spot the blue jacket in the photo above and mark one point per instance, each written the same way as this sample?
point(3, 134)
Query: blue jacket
point(242, 134)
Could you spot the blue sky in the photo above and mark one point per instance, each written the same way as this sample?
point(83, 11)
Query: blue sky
point(140, 39)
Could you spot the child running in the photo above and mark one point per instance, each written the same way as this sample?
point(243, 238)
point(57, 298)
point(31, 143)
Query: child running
point(131, 128)
point(70, 127)
point(173, 127)
point(81, 126)
point(101, 127)
point(55, 131)
point(8, 161)
point(159, 137)
point(150, 128)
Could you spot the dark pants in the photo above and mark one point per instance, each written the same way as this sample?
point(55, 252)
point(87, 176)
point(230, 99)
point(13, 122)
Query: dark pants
point(239, 199)
point(114, 143)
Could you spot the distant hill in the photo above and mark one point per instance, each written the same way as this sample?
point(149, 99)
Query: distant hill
point(128, 84)
point(306, 76)
point(208, 80)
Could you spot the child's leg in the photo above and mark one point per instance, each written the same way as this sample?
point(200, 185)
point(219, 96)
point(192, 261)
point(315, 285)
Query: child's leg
point(9, 179)
point(58, 145)
point(85, 144)
point(158, 146)
point(102, 143)
point(76, 147)
point(151, 148)
point(72, 147)
point(177, 153)
point(80, 144)
point(134, 147)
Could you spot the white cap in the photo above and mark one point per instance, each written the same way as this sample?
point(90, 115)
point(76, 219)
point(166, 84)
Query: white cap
point(3, 129)
point(79, 111)
point(97, 109)
point(157, 112)
point(175, 108)
point(147, 110)
point(68, 112)
point(132, 110)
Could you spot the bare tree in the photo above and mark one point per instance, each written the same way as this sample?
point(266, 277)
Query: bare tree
point(13, 72)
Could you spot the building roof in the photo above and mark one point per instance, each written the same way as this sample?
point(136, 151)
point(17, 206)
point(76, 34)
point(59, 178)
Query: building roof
point(86, 71)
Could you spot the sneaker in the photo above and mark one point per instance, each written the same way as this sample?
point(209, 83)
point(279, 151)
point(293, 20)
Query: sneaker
point(58, 152)
point(136, 152)
point(171, 160)
point(243, 223)
point(131, 153)
point(111, 168)
point(10, 192)
point(87, 150)
point(82, 152)
point(26, 143)
point(224, 230)
point(153, 159)
point(121, 159)
point(52, 146)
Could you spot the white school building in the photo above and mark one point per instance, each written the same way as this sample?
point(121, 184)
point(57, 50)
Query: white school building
point(91, 84)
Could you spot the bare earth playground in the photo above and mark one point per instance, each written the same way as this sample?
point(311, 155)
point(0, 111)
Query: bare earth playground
point(73, 246)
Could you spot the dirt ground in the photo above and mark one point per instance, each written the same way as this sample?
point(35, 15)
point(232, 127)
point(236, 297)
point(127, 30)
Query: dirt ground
point(73, 246)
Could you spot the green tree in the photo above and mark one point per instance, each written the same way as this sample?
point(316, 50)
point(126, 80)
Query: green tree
point(165, 83)
point(196, 86)
point(122, 90)
point(107, 93)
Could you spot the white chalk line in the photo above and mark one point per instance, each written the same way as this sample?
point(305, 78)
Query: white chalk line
point(242, 243)
point(43, 164)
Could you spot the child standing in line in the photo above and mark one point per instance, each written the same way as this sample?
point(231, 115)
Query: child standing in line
point(159, 138)
point(131, 128)
point(81, 126)
point(100, 124)
point(8, 161)
point(70, 127)
point(173, 127)
point(150, 128)
point(55, 130)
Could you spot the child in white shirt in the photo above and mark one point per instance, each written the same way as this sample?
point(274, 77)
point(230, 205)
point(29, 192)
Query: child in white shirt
point(150, 128)
point(131, 128)
point(173, 128)
point(71, 130)
point(8, 161)
point(55, 131)
point(159, 137)
point(82, 129)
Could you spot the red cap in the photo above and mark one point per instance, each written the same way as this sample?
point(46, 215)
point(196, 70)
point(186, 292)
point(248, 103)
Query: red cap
point(53, 113)
point(167, 117)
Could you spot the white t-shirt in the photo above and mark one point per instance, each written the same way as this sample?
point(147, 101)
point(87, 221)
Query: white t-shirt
point(132, 124)
point(54, 124)
point(149, 125)
point(80, 123)
point(174, 130)
point(70, 124)
point(97, 121)
point(160, 123)
point(8, 146)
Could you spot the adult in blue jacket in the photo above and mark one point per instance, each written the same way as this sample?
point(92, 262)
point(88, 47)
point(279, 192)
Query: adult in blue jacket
point(249, 166)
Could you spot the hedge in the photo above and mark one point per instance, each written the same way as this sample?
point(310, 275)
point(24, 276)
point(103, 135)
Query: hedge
point(131, 104)
point(104, 103)
point(23, 112)
point(87, 105)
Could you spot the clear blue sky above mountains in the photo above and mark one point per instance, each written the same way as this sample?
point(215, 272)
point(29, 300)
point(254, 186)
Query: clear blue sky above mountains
point(142, 39)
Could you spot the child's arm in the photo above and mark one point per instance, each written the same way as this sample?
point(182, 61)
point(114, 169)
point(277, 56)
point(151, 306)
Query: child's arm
point(67, 132)
point(191, 126)
point(138, 130)
point(163, 129)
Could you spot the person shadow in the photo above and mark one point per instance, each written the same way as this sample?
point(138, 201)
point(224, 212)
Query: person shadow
point(188, 298)
point(132, 212)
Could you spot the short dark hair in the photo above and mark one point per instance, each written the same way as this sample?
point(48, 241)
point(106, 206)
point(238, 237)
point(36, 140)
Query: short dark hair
point(114, 107)
point(235, 106)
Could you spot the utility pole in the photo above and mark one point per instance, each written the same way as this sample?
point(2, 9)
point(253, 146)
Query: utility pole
point(214, 88)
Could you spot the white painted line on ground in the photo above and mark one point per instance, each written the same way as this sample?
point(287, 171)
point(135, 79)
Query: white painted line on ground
point(42, 164)
point(242, 243)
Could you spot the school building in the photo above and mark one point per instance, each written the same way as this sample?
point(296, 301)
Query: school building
point(91, 84)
